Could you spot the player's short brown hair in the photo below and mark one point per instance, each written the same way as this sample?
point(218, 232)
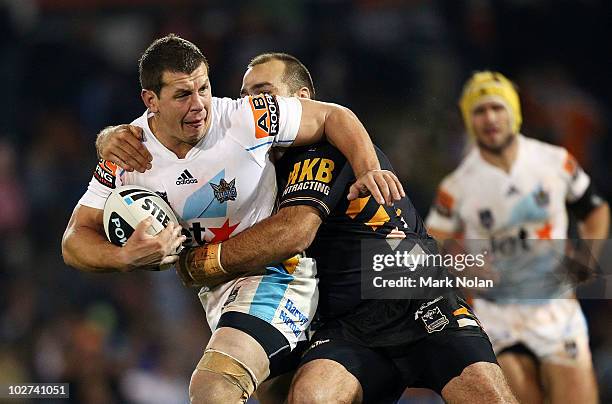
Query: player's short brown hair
point(168, 54)
point(296, 75)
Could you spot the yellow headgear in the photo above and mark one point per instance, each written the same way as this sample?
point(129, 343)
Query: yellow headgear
point(490, 85)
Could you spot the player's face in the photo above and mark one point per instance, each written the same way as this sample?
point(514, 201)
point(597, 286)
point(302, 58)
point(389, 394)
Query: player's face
point(491, 122)
point(265, 78)
point(183, 106)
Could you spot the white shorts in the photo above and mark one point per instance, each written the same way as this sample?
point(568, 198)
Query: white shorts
point(286, 301)
point(555, 331)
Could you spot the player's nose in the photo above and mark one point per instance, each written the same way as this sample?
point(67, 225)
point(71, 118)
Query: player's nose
point(491, 115)
point(197, 102)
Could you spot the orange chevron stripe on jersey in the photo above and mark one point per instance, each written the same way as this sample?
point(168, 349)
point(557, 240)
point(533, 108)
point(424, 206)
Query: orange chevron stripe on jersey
point(291, 264)
point(460, 311)
point(356, 206)
point(466, 318)
point(379, 219)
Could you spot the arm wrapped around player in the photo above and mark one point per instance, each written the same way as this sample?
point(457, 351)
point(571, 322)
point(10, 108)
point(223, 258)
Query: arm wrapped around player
point(201, 266)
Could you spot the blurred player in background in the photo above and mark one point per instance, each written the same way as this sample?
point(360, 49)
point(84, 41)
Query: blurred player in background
point(212, 165)
point(362, 351)
point(513, 191)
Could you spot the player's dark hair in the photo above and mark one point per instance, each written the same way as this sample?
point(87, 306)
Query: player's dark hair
point(296, 75)
point(172, 54)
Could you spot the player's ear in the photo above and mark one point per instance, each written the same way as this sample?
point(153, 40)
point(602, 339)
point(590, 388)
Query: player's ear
point(150, 99)
point(304, 92)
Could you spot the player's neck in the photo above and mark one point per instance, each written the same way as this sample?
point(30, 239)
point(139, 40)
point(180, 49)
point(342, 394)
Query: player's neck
point(169, 142)
point(503, 159)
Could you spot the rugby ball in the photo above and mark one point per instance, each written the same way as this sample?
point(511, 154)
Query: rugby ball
point(127, 206)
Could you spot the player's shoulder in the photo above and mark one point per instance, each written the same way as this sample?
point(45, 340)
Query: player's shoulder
point(224, 107)
point(141, 121)
point(314, 151)
point(543, 151)
point(232, 117)
point(451, 184)
point(466, 172)
point(549, 157)
point(258, 114)
point(228, 103)
point(324, 148)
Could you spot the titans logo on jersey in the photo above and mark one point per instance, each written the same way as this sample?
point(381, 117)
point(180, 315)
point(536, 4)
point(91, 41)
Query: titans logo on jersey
point(225, 191)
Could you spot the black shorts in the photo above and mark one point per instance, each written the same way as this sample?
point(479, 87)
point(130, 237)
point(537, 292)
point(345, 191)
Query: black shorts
point(418, 352)
point(282, 358)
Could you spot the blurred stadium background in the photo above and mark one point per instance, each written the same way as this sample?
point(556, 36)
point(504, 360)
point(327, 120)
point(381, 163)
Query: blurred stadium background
point(69, 68)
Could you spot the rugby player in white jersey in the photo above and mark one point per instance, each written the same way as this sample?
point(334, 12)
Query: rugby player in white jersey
point(212, 164)
point(363, 350)
point(513, 191)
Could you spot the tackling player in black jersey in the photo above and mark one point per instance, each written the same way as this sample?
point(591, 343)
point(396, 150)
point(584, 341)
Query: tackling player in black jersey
point(362, 350)
point(379, 342)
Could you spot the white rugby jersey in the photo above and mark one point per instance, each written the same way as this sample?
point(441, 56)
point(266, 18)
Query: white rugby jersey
point(227, 182)
point(510, 210)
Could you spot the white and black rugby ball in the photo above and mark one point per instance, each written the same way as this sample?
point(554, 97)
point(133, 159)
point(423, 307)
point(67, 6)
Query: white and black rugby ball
point(127, 206)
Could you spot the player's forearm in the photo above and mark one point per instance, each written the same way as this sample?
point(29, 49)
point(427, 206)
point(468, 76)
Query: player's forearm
point(85, 249)
point(272, 240)
point(344, 130)
point(596, 226)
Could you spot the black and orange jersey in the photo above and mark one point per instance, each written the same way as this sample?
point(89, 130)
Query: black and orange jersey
point(320, 176)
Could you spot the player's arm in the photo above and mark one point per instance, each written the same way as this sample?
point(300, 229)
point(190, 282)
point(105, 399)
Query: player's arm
point(288, 232)
point(443, 222)
point(596, 225)
point(274, 239)
point(85, 247)
point(593, 215)
point(594, 230)
point(584, 202)
point(445, 226)
point(122, 144)
point(341, 127)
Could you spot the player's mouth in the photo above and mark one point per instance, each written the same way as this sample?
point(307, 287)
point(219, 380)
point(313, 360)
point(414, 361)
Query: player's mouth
point(195, 123)
point(491, 131)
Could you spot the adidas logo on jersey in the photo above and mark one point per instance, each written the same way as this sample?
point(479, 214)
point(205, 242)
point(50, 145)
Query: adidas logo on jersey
point(512, 191)
point(186, 178)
